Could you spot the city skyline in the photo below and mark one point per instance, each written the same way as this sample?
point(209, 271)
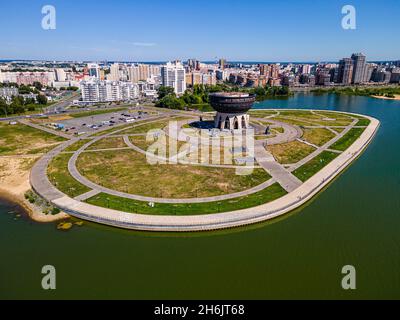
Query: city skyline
point(255, 31)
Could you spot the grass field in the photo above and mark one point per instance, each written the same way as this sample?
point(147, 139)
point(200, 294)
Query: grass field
point(290, 152)
point(338, 130)
point(20, 139)
point(77, 145)
point(151, 126)
point(293, 121)
point(94, 112)
point(106, 143)
point(317, 136)
point(348, 139)
point(142, 143)
point(307, 118)
point(259, 113)
point(60, 177)
point(128, 171)
point(363, 122)
point(267, 195)
point(310, 168)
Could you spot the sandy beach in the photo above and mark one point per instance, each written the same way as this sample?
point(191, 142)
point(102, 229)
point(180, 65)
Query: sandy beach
point(14, 182)
point(396, 97)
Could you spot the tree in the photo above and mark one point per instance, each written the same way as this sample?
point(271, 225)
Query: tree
point(17, 105)
point(42, 99)
point(38, 85)
point(4, 108)
point(165, 91)
point(170, 102)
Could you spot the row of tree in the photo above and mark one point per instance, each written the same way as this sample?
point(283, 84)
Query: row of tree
point(20, 105)
point(387, 92)
point(198, 95)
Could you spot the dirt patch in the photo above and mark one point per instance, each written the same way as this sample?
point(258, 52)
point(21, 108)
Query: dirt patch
point(14, 182)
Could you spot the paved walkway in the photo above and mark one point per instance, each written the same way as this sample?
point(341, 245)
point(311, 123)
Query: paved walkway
point(98, 188)
point(292, 200)
point(287, 180)
point(37, 126)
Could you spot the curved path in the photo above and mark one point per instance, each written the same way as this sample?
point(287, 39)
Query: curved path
point(98, 188)
point(41, 184)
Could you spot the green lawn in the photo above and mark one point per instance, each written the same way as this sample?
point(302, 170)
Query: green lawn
point(317, 136)
point(310, 168)
point(363, 122)
point(144, 128)
point(348, 139)
point(94, 112)
point(77, 145)
point(290, 152)
point(267, 195)
point(60, 177)
point(129, 171)
point(106, 143)
point(21, 139)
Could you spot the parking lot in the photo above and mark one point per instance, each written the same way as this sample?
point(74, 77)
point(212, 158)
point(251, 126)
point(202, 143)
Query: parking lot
point(78, 126)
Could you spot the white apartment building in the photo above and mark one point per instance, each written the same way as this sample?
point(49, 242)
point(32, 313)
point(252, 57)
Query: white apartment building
point(94, 70)
point(174, 75)
point(60, 75)
point(114, 72)
point(108, 91)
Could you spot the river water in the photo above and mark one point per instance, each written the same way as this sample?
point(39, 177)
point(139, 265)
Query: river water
point(353, 222)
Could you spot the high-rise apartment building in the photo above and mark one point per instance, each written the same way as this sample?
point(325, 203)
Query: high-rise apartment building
point(358, 67)
point(114, 72)
point(107, 91)
point(60, 74)
point(94, 70)
point(221, 64)
point(345, 71)
point(142, 72)
point(174, 75)
point(306, 69)
point(369, 68)
point(265, 70)
point(274, 71)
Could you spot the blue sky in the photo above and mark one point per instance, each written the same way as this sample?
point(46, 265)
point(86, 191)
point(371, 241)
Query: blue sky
point(156, 30)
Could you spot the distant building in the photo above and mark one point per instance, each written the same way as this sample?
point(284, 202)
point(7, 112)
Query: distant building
point(93, 70)
point(193, 64)
point(345, 71)
point(381, 75)
point(108, 91)
point(369, 68)
point(274, 73)
point(221, 64)
point(8, 92)
point(60, 74)
point(358, 68)
point(174, 75)
point(114, 72)
point(306, 69)
point(395, 77)
point(323, 77)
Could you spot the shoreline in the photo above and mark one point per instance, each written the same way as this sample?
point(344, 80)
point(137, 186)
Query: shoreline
point(396, 98)
point(30, 210)
point(14, 181)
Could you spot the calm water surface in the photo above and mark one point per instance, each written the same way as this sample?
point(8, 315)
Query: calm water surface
point(355, 221)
